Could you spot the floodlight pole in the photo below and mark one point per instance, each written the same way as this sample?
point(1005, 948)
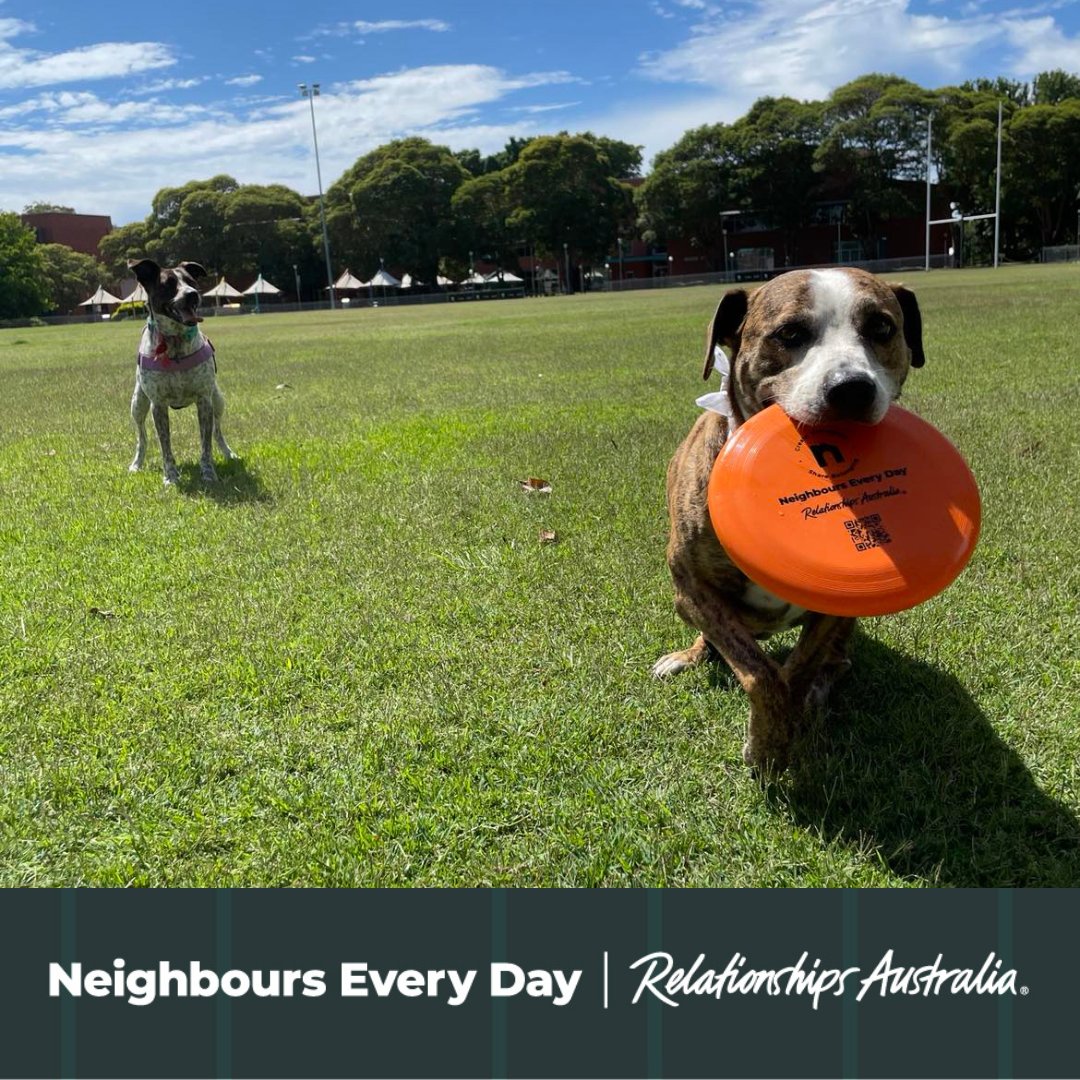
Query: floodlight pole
point(311, 93)
point(929, 121)
point(997, 193)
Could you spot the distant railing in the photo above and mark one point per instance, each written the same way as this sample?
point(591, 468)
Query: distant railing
point(1061, 253)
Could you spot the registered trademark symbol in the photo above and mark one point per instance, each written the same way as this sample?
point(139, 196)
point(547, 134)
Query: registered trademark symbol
point(1024, 991)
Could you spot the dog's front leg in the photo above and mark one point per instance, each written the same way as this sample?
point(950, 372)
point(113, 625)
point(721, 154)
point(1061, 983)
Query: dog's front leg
point(205, 409)
point(771, 726)
point(140, 406)
point(161, 422)
point(819, 659)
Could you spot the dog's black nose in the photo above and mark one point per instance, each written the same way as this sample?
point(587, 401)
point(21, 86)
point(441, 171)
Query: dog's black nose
point(852, 398)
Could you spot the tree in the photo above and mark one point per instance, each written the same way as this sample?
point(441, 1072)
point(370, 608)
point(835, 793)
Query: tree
point(691, 185)
point(1054, 87)
point(564, 199)
point(126, 242)
point(69, 276)
point(47, 208)
point(396, 204)
point(875, 135)
point(775, 145)
point(22, 289)
point(624, 159)
point(482, 207)
point(1043, 168)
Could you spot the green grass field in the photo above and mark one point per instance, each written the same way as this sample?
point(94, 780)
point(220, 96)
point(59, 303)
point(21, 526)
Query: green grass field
point(354, 663)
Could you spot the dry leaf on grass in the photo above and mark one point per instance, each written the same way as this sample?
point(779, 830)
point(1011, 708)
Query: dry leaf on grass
point(549, 536)
point(283, 386)
point(535, 485)
point(101, 613)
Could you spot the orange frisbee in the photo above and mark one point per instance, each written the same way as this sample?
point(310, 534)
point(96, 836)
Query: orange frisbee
point(846, 518)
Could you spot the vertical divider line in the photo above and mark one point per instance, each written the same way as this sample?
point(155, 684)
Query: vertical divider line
point(499, 1019)
point(68, 1015)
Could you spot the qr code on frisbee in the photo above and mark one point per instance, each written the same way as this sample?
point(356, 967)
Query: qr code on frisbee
point(867, 532)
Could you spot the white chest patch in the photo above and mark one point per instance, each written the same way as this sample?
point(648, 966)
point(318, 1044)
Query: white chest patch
point(772, 607)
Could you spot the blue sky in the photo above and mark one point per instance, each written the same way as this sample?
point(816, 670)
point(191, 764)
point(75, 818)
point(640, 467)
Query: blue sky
point(100, 106)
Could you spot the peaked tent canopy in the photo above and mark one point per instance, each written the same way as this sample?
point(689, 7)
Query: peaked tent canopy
point(506, 276)
point(102, 296)
point(440, 280)
point(261, 288)
point(383, 278)
point(475, 279)
point(136, 296)
point(349, 280)
point(408, 281)
point(222, 288)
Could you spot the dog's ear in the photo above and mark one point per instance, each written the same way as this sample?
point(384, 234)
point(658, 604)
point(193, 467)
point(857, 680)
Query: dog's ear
point(146, 271)
point(724, 328)
point(912, 323)
point(193, 269)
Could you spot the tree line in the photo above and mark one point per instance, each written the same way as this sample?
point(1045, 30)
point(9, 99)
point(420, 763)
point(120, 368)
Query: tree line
point(426, 209)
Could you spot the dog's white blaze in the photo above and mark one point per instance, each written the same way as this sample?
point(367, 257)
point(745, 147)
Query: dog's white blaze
point(837, 347)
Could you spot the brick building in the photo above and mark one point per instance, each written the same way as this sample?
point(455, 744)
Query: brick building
point(82, 232)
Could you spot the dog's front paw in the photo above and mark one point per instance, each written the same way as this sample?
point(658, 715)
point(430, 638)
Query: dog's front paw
point(674, 663)
point(817, 697)
point(209, 474)
point(135, 466)
point(171, 478)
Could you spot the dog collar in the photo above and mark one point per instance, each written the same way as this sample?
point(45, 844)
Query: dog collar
point(720, 400)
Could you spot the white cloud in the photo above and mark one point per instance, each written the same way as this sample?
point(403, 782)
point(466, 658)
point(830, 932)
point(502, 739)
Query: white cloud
point(70, 162)
point(806, 48)
point(304, 59)
point(105, 60)
point(1040, 46)
point(244, 80)
point(161, 86)
point(535, 109)
point(385, 25)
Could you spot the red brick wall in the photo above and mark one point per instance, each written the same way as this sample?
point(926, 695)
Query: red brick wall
point(79, 231)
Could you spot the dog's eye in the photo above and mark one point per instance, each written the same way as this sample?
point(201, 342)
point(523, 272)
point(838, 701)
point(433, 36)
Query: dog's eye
point(792, 335)
point(881, 329)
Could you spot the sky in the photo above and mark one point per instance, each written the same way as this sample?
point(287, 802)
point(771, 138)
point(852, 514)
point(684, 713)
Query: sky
point(102, 105)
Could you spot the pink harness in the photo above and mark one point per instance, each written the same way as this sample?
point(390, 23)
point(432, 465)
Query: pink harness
point(161, 361)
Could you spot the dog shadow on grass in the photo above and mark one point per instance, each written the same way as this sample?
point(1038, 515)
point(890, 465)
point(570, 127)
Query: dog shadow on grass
point(907, 765)
point(235, 486)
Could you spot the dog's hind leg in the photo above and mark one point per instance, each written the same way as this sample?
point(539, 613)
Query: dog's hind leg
point(140, 406)
point(819, 659)
point(205, 408)
point(772, 718)
point(219, 411)
point(675, 663)
point(161, 422)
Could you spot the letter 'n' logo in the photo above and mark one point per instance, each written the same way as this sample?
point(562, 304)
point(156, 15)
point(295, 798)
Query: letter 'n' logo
point(823, 451)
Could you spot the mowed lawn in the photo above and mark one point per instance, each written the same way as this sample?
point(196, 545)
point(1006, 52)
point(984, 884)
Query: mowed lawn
point(354, 663)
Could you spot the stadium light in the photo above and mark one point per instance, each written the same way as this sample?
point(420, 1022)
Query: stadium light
point(311, 93)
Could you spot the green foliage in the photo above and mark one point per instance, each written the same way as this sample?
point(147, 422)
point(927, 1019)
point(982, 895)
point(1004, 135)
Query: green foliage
point(690, 185)
point(22, 288)
point(874, 134)
point(395, 204)
point(1054, 87)
point(47, 208)
point(132, 241)
point(69, 276)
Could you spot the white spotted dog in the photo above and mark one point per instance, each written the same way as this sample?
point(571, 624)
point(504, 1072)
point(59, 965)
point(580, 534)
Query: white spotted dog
point(175, 366)
point(825, 345)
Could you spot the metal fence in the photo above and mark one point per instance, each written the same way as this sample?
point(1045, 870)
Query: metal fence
point(1061, 253)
